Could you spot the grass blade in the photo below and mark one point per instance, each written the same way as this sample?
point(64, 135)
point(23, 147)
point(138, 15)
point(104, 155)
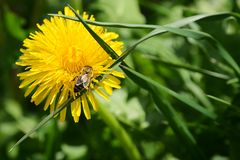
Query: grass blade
point(201, 35)
point(190, 68)
point(177, 124)
point(144, 81)
point(42, 123)
point(219, 100)
point(178, 23)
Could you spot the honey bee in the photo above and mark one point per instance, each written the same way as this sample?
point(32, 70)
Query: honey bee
point(83, 81)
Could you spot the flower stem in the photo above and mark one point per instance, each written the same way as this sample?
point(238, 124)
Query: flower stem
point(125, 140)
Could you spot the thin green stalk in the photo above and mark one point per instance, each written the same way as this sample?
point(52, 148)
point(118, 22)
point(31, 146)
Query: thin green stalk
point(143, 81)
point(179, 23)
point(233, 80)
point(219, 100)
point(190, 68)
point(43, 122)
point(126, 141)
point(47, 119)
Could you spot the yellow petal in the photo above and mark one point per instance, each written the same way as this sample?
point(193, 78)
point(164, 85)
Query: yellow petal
point(102, 94)
point(51, 97)
point(113, 79)
point(29, 90)
point(108, 89)
point(118, 74)
point(26, 82)
point(63, 96)
point(42, 96)
point(63, 114)
point(76, 107)
point(92, 100)
point(52, 106)
point(39, 90)
point(109, 83)
point(85, 107)
point(76, 119)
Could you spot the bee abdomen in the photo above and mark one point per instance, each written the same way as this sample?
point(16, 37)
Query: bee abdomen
point(77, 88)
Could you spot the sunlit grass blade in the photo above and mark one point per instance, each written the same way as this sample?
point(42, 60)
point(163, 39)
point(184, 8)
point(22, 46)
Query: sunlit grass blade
point(177, 124)
point(132, 47)
point(219, 100)
point(178, 23)
point(144, 82)
point(232, 81)
point(173, 28)
point(201, 35)
point(42, 123)
point(109, 24)
point(215, 61)
point(190, 68)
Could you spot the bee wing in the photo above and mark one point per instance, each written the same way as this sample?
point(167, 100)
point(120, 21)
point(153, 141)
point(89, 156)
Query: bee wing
point(79, 81)
point(86, 80)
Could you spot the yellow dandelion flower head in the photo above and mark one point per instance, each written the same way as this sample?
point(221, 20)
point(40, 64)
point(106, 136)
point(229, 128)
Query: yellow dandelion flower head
point(62, 58)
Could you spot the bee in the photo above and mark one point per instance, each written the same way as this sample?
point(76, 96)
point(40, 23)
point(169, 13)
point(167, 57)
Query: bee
point(83, 81)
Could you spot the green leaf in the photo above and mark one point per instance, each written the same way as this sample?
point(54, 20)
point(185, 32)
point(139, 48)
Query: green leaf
point(170, 28)
point(179, 23)
point(201, 35)
point(189, 68)
point(147, 83)
point(177, 124)
point(219, 100)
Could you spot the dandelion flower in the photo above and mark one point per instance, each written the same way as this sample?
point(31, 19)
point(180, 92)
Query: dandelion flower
point(62, 58)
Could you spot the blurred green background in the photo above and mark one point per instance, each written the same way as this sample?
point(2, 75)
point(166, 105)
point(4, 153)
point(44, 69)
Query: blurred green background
point(132, 106)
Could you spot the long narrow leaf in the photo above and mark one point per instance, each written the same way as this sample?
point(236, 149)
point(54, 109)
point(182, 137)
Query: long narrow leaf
point(186, 33)
point(42, 123)
point(219, 100)
point(145, 81)
point(201, 35)
point(177, 124)
point(179, 23)
point(190, 68)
